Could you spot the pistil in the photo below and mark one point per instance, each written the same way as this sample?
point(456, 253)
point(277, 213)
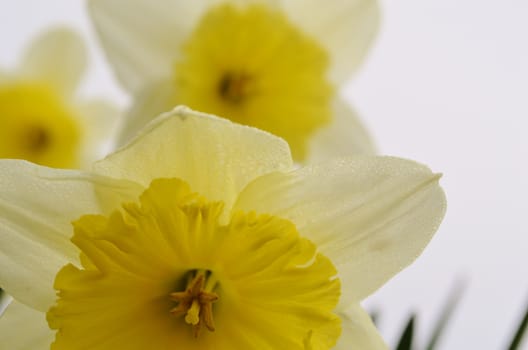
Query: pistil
point(196, 303)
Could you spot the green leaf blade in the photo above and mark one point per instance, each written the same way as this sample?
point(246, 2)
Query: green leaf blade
point(406, 339)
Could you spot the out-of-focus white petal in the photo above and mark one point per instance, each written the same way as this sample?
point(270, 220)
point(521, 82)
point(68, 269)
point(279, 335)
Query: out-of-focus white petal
point(37, 205)
point(372, 216)
point(153, 100)
point(4, 76)
point(215, 156)
point(358, 332)
point(99, 121)
point(346, 28)
point(24, 328)
point(58, 57)
point(344, 136)
point(142, 38)
point(245, 2)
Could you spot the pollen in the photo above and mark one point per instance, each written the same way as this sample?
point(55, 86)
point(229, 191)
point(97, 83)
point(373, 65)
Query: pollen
point(253, 65)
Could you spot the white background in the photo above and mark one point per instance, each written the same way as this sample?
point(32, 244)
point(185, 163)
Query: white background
point(445, 84)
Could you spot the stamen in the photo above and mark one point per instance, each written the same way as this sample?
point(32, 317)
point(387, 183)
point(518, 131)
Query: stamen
point(196, 301)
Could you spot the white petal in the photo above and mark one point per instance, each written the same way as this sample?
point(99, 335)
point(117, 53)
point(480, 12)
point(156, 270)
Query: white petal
point(358, 331)
point(345, 28)
point(215, 156)
point(99, 125)
point(372, 216)
point(345, 136)
point(57, 57)
point(37, 205)
point(153, 100)
point(143, 38)
point(23, 328)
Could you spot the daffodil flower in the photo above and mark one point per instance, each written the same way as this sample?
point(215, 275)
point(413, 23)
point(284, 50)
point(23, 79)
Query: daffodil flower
point(276, 65)
point(41, 120)
point(203, 234)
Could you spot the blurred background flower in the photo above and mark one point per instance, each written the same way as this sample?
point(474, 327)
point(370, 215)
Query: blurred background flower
point(275, 65)
point(41, 118)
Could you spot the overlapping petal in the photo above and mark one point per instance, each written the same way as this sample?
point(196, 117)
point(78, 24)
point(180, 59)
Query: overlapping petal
point(37, 205)
point(344, 136)
point(99, 120)
point(24, 328)
point(345, 28)
point(371, 215)
point(143, 43)
point(58, 57)
point(154, 99)
point(215, 156)
point(358, 331)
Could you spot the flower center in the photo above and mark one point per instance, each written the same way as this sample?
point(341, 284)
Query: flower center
point(36, 125)
point(252, 65)
point(235, 87)
point(37, 139)
point(196, 302)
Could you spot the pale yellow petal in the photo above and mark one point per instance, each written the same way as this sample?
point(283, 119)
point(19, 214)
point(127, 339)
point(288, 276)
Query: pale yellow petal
point(154, 99)
point(99, 119)
point(57, 57)
point(215, 156)
point(143, 38)
point(23, 328)
point(37, 205)
point(372, 216)
point(345, 136)
point(358, 331)
point(345, 28)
